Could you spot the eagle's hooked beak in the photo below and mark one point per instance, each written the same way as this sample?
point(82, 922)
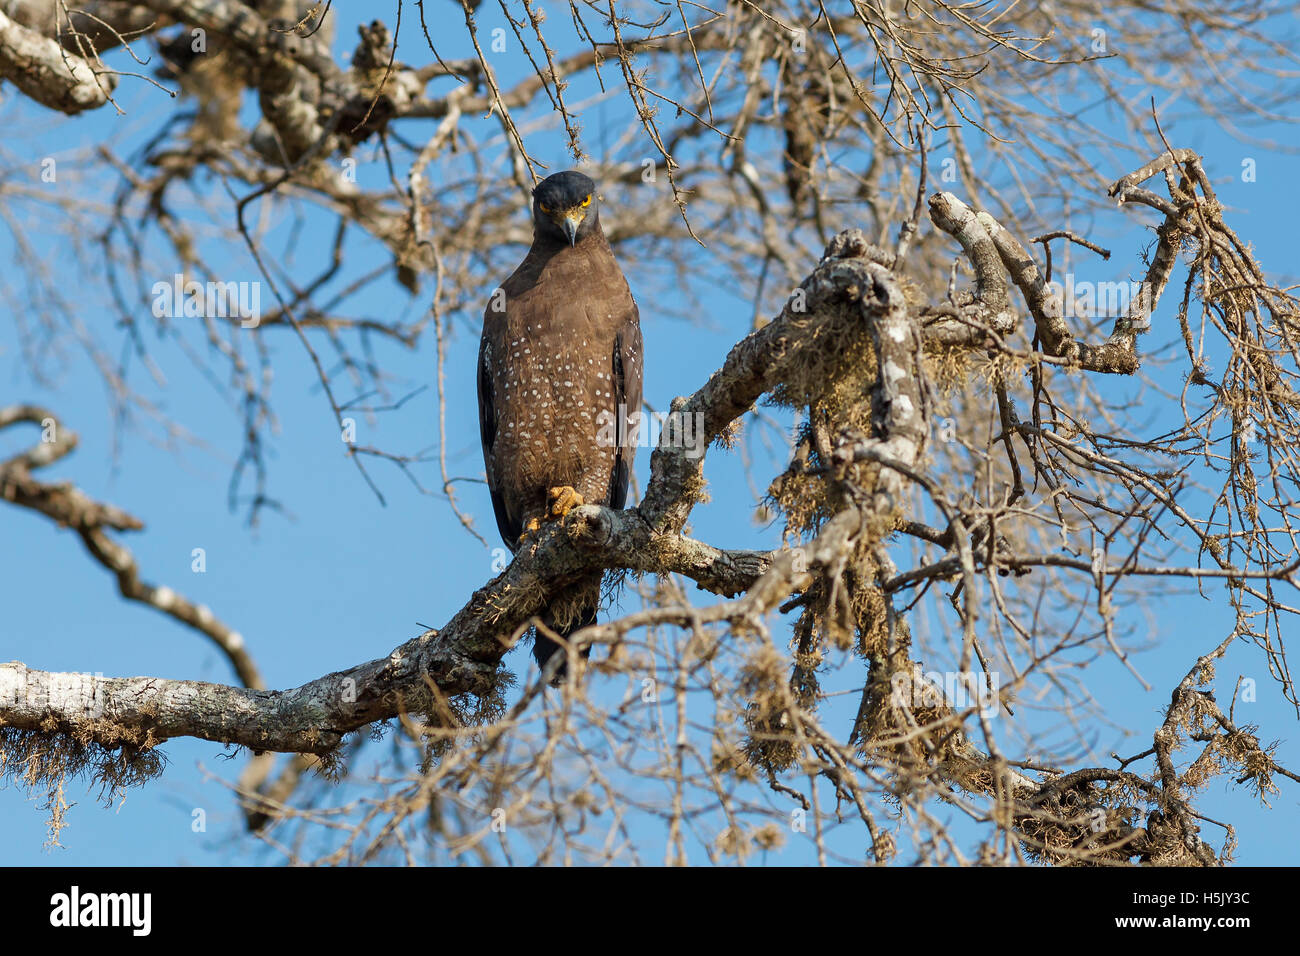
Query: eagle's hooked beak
point(570, 227)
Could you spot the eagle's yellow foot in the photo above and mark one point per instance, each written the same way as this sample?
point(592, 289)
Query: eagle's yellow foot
point(562, 500)
point(534, 525)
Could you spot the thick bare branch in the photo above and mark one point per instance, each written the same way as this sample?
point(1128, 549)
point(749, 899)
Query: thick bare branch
point(49, 74)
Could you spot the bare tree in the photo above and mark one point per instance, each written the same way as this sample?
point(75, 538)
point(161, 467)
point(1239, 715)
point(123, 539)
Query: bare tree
point(949, 452)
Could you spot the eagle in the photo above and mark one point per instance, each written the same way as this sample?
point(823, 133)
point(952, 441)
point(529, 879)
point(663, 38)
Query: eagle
point(559, 384)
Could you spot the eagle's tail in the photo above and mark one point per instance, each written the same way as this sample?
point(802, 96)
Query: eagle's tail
point(581, 605)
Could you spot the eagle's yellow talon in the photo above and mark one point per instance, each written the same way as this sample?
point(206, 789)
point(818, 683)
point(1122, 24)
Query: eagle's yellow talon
point(534, 524)
point(563, 500)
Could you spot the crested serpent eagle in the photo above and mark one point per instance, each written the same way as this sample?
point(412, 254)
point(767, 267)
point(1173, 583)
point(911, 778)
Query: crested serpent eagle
point(559, 383)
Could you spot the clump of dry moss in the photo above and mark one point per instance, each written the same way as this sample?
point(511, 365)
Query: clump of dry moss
point(112, 757)
point(741, 842)
point(453, 723)
point(1085, 824)
point(770, 718)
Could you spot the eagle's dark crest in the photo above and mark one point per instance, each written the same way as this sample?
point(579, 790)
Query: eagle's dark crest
point(559, 370)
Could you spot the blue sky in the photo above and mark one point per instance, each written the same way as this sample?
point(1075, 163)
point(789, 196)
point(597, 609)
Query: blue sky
point(346, 579)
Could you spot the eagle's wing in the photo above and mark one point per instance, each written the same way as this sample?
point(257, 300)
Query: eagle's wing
point(509, 524)
point(627, 401)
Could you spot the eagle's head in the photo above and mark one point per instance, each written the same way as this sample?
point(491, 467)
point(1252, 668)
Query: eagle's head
point(565, 206)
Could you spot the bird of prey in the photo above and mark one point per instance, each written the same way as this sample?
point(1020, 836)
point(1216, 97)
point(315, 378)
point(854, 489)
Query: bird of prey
point(559, 363)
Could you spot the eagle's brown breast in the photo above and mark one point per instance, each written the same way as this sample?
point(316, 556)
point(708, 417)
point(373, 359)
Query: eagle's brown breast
point(560, 358)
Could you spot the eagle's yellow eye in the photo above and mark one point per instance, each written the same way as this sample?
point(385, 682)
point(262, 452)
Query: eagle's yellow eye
point(587, 201)
point(545, 208)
